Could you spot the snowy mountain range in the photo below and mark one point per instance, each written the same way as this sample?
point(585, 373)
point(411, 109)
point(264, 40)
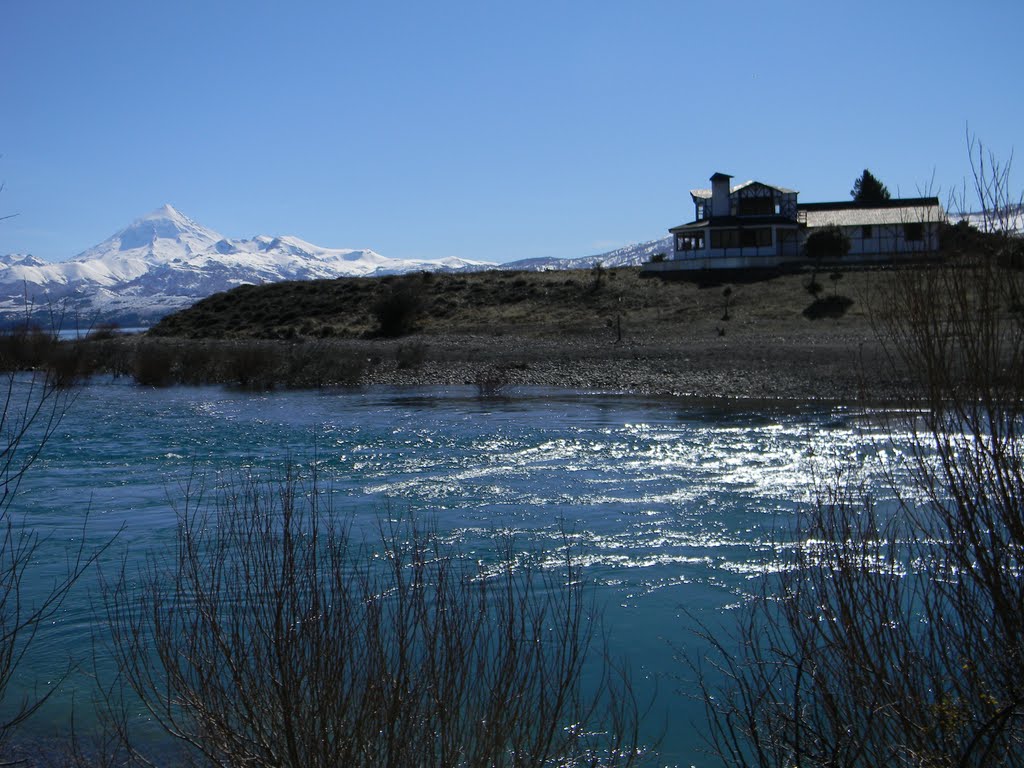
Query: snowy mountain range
point(627, 256)
point(165, 261)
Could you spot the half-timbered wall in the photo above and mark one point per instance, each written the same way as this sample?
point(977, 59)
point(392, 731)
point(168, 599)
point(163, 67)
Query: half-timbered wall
point(761, 200)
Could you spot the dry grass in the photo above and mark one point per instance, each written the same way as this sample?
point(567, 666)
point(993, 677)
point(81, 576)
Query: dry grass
point(534, 304)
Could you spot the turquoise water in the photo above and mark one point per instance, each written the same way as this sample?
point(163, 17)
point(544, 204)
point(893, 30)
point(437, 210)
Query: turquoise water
point(674, 502)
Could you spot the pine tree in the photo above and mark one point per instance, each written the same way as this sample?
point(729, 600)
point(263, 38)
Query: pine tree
point(868, 189)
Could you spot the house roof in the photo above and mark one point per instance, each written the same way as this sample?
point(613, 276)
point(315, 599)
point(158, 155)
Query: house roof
point(734, 221)
point(705, 194)
point(783, 190)
point(852, 214)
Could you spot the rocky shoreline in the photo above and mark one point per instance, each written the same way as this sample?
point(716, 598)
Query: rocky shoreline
point(836, 363)
point(833, 367)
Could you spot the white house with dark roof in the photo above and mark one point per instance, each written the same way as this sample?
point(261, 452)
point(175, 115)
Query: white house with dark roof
point(760, 226)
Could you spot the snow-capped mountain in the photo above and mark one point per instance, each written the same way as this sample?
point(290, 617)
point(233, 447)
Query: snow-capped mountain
point(165, 261)
point(627, 256)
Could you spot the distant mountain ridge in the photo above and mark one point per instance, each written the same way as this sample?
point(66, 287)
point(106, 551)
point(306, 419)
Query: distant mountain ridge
point(627, 256)
point(165, 261)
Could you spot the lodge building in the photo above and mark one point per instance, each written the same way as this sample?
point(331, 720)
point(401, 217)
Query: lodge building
point(754, 225)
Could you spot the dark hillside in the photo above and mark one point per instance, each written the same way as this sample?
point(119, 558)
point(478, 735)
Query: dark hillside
point(539, 304)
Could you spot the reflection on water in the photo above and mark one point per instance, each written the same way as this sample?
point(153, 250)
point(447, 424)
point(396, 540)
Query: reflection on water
point(676, 504)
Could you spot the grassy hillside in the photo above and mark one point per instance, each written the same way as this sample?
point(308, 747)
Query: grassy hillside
point(543, 304)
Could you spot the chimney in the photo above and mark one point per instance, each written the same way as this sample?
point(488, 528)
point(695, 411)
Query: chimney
point(720, 194)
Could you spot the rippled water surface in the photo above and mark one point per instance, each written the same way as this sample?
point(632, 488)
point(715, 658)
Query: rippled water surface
point(675, 502)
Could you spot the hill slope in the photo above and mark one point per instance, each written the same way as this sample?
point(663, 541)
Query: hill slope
point(500, 302)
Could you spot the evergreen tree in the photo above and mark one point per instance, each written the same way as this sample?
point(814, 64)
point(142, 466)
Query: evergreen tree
point(868, 189)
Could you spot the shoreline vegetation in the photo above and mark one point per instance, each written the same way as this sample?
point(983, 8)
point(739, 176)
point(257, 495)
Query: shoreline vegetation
point(601, 329)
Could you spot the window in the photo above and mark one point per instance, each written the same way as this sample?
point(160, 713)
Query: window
point(693, 241)
point(725, 238)
point(913, 231)
point(865, 232)
point(700, 211)
point(756, 238)
point(755, 206)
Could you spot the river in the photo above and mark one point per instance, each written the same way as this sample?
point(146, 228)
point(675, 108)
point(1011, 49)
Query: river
point(676, 503)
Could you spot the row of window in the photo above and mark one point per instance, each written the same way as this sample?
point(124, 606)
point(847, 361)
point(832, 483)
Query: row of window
point(761, 237)
point(755, 237)
point(745, 206)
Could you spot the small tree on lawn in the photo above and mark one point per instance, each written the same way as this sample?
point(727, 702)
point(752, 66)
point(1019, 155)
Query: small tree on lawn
point(835, 277)
point(726, 294)
point(868, 189)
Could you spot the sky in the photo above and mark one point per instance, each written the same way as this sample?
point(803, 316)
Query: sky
point(482, 129)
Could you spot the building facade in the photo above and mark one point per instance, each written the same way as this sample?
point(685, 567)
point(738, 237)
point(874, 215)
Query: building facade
point(760, 226)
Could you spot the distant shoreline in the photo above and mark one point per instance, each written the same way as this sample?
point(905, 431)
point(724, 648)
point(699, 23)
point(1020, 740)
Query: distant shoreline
point(588, 330)
point(826, 367)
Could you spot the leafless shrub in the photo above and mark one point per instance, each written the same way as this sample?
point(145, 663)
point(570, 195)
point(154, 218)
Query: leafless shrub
point(490, 382)
point(153, 365)
point(272, 636)
point(998, 208)
point(252, 364)
point(33, 405)
point(25, 347)
point(411, 354)
point(321, 364)
point(895, 636)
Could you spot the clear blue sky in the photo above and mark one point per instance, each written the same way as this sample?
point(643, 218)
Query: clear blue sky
point(486, 130)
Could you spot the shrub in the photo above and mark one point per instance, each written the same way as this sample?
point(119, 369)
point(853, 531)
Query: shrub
point(253, 364)
point(826, 244)
point(153, 365)
point(25, 348)
point(400, 306)
point(102, 331)
point(33, 406)
point(272, 636)
point(411, 355)
point(490, 382)
point(319, 364)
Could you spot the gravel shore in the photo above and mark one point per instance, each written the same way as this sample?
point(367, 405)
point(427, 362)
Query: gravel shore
point(837, 366)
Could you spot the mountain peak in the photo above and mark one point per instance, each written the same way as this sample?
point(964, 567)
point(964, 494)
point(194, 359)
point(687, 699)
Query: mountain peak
point(168, 224)
point(166, 211)
point(159, 236)
point(166, 218)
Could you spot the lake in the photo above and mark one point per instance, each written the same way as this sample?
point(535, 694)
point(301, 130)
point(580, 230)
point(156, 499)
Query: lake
point(675, 503)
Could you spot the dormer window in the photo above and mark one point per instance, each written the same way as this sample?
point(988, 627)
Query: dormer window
point(755, 206)
point(700, 210)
